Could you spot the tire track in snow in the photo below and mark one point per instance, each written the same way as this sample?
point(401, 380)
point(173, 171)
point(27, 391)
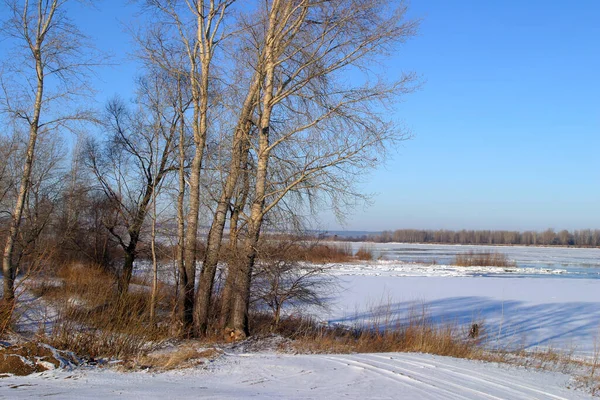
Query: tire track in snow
point(505, 391)
point(404, 379)
point(470, 373)
point(445, 383)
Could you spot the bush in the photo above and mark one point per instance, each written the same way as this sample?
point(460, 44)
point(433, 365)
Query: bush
point(483, 259)
point(94, 321)
point(364, 253)
point(296, 250)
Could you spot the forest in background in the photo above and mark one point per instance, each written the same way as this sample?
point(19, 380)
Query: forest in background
point(548, 237)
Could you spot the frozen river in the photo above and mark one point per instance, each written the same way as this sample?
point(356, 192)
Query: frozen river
point(531, 261)
point(549, 299)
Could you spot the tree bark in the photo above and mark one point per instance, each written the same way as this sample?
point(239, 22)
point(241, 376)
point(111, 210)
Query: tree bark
point(126, 273)
point(182, 282)
point(213, 246)
point(8, 268)
point(239, 313)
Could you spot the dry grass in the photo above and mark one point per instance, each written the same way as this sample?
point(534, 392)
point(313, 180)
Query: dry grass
point(93, 321)
point(483, 259)
point(306, 251)
point(590, 378)
point(185, 356)
point(321, 253)
point(383, 333)
point(364, 253)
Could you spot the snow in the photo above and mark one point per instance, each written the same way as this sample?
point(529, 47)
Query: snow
point(276, 376)
point(516, 312)
point(576, 262)
point(549, 300)
point(395, 268)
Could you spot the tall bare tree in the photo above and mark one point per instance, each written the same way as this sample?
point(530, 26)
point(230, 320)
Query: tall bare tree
point(46, 72)
point(136, 159)
point(198, 25)
point(316, 130)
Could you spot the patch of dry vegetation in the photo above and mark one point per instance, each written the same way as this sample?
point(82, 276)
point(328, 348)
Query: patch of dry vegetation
point(416, 335)
point(483, 259)
point(185, 356)
point(364, 253)
point(93, 321)
point(381, 332)
point(315, 252)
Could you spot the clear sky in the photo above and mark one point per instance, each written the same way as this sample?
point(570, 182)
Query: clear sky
point(506, 126)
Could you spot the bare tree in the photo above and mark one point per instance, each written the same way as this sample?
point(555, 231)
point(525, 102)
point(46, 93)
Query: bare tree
point(45, 73)
point(237, 164)
point(315, 131)
point(136, 159)
point(199, 35)
point(281, 279)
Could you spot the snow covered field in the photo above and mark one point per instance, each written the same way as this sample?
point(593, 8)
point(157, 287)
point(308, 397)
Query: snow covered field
point(550, 300)
point(277, 376)
point(516, 312)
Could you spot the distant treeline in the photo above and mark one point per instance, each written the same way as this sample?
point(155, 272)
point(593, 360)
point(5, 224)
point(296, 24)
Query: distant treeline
point(549, 237)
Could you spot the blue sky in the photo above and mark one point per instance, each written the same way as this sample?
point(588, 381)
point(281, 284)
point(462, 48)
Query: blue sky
point(506, 126)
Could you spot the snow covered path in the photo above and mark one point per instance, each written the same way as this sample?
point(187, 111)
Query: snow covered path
point(277, 376)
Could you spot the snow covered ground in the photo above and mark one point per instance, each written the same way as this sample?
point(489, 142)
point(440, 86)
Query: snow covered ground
point(277, 376)
point(550, 300)
point(516, 312)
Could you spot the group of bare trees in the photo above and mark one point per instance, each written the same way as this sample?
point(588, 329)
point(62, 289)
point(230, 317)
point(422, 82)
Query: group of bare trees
point(549, 237)
point(246, 115)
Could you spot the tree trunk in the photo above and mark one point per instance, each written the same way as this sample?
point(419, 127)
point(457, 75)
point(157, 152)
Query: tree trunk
point(239, 313)
point(277, 316)
point(215, 236)
point(8, 268)
point(233, 259)
point(125, 277)
point(182, 281)
point(238, 321)
point(191, 237)
point(154, 296)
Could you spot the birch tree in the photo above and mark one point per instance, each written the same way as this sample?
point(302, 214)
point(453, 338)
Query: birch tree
point(316, 128)
point(39, 82)
point(198, 26)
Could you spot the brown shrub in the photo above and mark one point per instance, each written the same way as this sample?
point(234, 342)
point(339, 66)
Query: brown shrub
point(483, 259)
point(364, 253)
point(383, 333)
point(320, 253)
point(95, 322)
point(443, 340)
point(120, 327)
point(304, 251)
